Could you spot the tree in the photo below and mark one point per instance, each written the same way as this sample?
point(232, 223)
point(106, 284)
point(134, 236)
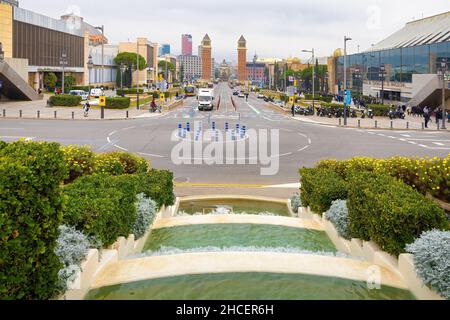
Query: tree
point(166, 65)
point(50, 80)
point(129, 59)
point(69, 82)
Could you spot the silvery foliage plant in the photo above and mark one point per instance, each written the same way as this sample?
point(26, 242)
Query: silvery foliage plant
point(72, 248)
point(296, 202)
point(146, 214)
point(338, 215)
point(432, 259)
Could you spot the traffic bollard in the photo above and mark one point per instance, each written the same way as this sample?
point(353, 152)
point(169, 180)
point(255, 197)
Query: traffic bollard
point(188, 127)
point(55, 114)
point(38, 114)
point(128, 115)
point(20, 113)
point(423, 126)
point(438, 126)
point(340, 122)
point(392, 125)
point(73, 115)
point(4, 113)
point(376, 124)
point(407, 125)
point(359, 123)
point(227, 127)
point(214, 125)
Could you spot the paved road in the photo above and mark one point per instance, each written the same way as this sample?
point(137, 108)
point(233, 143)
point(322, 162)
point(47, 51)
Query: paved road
point(301, 144)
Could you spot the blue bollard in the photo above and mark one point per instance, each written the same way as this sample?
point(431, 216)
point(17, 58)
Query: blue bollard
point(188, 127)
point(227, 127)
point(214, 125)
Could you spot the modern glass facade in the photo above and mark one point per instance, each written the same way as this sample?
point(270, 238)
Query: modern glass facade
point(400, 64)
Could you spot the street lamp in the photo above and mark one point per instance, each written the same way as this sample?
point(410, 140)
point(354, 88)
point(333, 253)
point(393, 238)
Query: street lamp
point(123, 68)
point(2, 53)
point(63, 62)
point(102, 29)
point(443, 72)
point(313, 74)
point(345, 78)
point(358, 77)
point(90, 65)
point(382, 76)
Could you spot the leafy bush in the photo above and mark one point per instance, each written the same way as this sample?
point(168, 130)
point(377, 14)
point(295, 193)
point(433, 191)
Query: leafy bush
point(319, 188)
point(146, 214)
point(118, 103)
point(72, 248)
point(157, 185)
point(432, 259)
point(296, 202)
point(425, 175)
point(338, 215)
point(379, 110)
point(64, 100)
point(117, 163)
point(101, 206)
point(80, 161)
point(128, 91)
point(30, 213)
point(389, 212)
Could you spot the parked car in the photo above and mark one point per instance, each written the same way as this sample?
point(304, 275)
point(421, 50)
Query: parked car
point(241, 95)
point(83, 94)
point(235, 93)
point(96, 93)
point(261, 96)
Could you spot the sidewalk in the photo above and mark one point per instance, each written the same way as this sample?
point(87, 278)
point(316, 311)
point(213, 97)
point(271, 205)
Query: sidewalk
point(40, 110)
point(410, 123)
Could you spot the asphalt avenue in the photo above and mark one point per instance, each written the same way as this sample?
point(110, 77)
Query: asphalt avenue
point(300, 143)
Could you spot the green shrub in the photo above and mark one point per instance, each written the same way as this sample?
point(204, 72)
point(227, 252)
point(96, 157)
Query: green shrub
point(64, 100)
point(319, 188)
point(101, 206)
point(128, 91)
point(118, 103)
point(389, 212)
point(379, 110)
point(30, 214)
point(117, 163)
point(79, 160)
point(157, 185)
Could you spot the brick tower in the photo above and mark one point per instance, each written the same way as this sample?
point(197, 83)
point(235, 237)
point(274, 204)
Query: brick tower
point(206, 59)
point(242, 59)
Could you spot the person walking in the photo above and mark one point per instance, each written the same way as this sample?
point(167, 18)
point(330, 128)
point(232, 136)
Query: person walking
point(86, 109)
point(426, 116)
point(153, 106)
point(293, 110)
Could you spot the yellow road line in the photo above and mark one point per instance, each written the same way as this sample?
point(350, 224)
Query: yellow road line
point(221, 185)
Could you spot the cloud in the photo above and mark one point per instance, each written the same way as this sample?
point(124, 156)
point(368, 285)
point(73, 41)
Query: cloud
point(272, 28)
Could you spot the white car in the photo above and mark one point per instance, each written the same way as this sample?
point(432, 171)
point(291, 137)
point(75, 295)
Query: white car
point(241, 95)
point(83, 94)
point(96, 93)
point(261, 96)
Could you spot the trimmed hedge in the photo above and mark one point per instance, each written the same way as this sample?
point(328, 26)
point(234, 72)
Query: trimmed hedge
point(389, 212)
point(379, 110)
point(320, 187)
point(30, 214)
point(118, 103)
point(157, 185)
point(118, 163)
point(80, 161)
point(428, 176)
point(64, 100)
point(120, 92)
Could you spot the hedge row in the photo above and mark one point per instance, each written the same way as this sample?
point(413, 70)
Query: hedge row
point(382, 208)
point(118, 102)
point(379, 110)
point(103, 206)
point(428, 176)
point(82, 161)
point(120, 92)
point(389, 212)
point(64, 100)
point(30, 214)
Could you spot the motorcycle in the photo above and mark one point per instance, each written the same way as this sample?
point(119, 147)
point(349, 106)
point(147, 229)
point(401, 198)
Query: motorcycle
point(396, 114)
point(367, 113)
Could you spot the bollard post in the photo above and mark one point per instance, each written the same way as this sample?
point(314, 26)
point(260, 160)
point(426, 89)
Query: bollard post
point(340, 122)
point(188, 127)
point(227, 127)
point(20, 113)
point(55, 114)
point(359, 123)
point(4, 113)
point(73, 115)
point(392, 125)
point(438, 126)
point(38, 114)
point(423, 126)
point(127, 114)
point(407, 125)
point(376, 124)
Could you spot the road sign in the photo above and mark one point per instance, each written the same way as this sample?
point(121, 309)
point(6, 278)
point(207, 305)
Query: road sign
point(291, 100)
point(162, 97)
point(102, 101)
point(295, 83)
point(348, 97)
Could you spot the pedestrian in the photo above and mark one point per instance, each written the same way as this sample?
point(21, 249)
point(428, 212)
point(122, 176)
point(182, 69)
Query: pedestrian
point(153, 106)
point(293, 110)
point(86, 108)
point(426, 115)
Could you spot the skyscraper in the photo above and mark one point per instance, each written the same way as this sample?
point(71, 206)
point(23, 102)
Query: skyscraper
point(186, 45)
point(206, 59)
point(242, 59)
point(164, 49)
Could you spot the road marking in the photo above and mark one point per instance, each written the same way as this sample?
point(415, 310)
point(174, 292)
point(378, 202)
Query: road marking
point(119, 147)
point(17, 138)
point(253, 108)
point(406, 135)
point(303, 149)
point(439, 144)
point(150, 155)
point(221, 185)
point(112, 133)
point(285, 186)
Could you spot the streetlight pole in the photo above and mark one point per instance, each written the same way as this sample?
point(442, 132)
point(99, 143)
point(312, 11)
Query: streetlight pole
point(63, 63)
point(313, 74)
point(90, 65)
point(345, 78)
point(123, 68)
point(382, 77)
point(444, 74)
point(102, 29)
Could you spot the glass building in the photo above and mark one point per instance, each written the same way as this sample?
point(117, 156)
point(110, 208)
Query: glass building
point(411, 59)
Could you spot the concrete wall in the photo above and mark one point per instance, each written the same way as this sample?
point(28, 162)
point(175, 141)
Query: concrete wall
point(6, 29)
point(20, 66)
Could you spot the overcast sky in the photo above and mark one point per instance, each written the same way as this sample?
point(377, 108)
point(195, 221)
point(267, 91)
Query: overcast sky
point(273, 28)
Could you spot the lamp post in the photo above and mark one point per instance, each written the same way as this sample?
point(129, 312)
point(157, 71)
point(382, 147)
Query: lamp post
point(63, 62)
point(102, 29)
point(123, 68)
point(345, 78)
point(313, 74)
point(90, 65)
point(382, 76)
point(443, 72)
point(358, 77)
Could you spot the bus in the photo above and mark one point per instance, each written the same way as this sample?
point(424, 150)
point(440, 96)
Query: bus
point(189, 91)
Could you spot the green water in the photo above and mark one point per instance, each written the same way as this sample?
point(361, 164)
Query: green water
point(248, 286)
point(239, 235)
point(238, 207)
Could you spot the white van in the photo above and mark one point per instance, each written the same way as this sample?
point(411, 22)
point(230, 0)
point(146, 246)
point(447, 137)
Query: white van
point(96, 93)
point(205, 99)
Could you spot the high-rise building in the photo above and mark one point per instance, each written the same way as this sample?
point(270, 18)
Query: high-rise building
point(190, 67)
point(206, 59)
point(186, 45)
point(242, 59)
point(164, 49)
